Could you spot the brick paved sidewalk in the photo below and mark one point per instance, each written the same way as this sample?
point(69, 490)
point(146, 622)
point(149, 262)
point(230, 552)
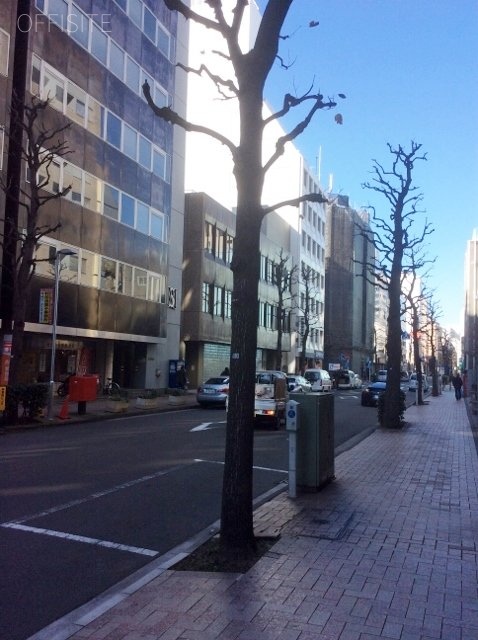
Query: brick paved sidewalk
point(389, 550)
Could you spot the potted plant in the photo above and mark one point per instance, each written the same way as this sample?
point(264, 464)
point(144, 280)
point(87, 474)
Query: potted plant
point(118, 403)
point(177, 396)
point(148, 399)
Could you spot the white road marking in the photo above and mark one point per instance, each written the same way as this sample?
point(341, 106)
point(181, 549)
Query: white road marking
point(206, 425)
point(84, 539)
point(254, 467)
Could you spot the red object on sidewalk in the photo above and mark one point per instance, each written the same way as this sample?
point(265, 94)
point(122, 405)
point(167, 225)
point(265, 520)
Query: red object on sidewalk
point(63, 415)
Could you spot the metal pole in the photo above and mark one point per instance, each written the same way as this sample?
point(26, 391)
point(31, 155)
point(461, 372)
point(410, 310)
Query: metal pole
point(58, 257)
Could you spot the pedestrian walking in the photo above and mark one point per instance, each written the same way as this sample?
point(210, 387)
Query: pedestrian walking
point(457, 383)
point(182, 378)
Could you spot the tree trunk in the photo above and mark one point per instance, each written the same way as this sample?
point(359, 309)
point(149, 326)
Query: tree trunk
point(394, 347)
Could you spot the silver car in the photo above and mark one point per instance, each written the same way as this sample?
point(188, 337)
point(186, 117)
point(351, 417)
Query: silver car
point(298, 384)
point(213, 391)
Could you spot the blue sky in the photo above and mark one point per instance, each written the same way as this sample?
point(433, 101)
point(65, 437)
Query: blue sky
point(409, 69)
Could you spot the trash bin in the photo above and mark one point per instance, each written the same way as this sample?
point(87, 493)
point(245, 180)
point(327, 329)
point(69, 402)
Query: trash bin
point(315, 440)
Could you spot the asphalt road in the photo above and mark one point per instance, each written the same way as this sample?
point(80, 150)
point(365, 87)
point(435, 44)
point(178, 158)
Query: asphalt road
point(83, 506)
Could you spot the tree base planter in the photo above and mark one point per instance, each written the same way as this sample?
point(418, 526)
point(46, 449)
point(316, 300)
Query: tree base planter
point(117, 406)
point(147, 403)
point(177, 399)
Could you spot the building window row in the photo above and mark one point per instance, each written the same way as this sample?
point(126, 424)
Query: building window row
point(313, 218)
point(315, 307)
point(313, 277)
point(4, 52)
point(80, 107)
point(216, 301)
point(269, 317)
point(100, 272)
point(217, 242)
point(93, 37)
point(268, 273)
point(311, 246)
point(147, 22)
point(96, 195)
point(309, 183)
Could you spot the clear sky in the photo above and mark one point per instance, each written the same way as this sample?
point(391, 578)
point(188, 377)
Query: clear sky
point(409, 69)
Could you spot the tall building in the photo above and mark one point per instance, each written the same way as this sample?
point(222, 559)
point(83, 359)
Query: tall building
point(349, 294)
point(117, 309)
point(470, 342)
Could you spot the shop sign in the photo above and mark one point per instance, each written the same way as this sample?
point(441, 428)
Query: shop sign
point(45, 313)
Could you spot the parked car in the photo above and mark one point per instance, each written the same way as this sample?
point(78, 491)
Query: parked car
point(413, 382)
point(213, 391)
point(271, 397)
point(298, 384)
point(371, 394)
point(319, 379)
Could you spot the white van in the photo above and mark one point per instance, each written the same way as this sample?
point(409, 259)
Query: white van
point(413, 382)
point(319, 379)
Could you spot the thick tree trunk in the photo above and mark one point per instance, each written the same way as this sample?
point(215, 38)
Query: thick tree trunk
point(394, 348)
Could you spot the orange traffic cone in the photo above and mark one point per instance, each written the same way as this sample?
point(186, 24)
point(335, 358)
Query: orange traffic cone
point(63, 415)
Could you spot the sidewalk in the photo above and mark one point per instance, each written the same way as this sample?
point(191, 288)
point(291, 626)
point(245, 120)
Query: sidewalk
point(388, 550)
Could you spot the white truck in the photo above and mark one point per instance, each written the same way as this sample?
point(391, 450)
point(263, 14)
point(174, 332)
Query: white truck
point(271, 398)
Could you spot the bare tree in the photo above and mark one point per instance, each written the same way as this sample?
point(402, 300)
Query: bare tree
point(250, 70)
point(308, 318)
point(394, 242)
point(283, 276)
point(41, 146)
point(434, 313)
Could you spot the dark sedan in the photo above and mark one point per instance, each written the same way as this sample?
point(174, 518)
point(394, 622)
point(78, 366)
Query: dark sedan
point(213, 391)
point(371, 394)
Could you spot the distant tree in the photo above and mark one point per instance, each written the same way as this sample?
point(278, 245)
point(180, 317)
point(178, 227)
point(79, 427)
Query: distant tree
point(308, 318)
point(249, 72)
point(394, 241)
point(41, 146)
point(283, 277)
point(434, 313)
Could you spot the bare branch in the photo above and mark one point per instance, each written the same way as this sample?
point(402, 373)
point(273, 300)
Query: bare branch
point(295, 202)
point(166, 113)
point(218, 81)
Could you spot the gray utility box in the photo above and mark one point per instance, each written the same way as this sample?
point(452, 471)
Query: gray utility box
point(315, 439)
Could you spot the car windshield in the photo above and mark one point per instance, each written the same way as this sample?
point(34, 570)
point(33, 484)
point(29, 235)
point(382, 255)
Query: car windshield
point(217, 381)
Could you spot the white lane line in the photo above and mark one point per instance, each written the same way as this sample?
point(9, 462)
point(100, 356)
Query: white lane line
point(204, 426)
point(254, 467)
point(70, 537)
point(94, 496)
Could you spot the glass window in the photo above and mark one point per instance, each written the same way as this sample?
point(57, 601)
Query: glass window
point(43, 254)
point(227, 304)
point(144, 155)
point(220, 244)
point(208, 241)
point(132, 74)
point(36, 73)
point(135, 12)
point(142, 217)
point(160, 96)
point(113, 130)
point(127, 210)
point(163, 41)
point(140, 283)
point(159, 163)
point(49, 176)
point(69, 267)
point(154, 292)
point(92, 193)
point(229, 248)
point(76, 104)
point(108, 274)
point(96, 117)
point(149, 25)
point(145, 77)
point(111, 202)
point(53, 89)
point(57, 12)
point(79, 27)
point(217, 309)
point(116, 60)
point(72, 177)
point(99, 43)
point(130, 141)
point(89, 269)
point(157, 226)
point(125, 279)
point(205, 298)
point(122, 4)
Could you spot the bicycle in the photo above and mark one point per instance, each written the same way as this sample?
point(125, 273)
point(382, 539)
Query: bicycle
point(111, 388)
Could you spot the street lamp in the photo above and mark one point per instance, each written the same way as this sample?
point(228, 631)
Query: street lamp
point(59, 255)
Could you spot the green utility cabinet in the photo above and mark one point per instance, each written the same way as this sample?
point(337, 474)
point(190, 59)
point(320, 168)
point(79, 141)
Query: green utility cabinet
point(315, 439)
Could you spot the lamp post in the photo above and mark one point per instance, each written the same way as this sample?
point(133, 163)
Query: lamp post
point(59, 255)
